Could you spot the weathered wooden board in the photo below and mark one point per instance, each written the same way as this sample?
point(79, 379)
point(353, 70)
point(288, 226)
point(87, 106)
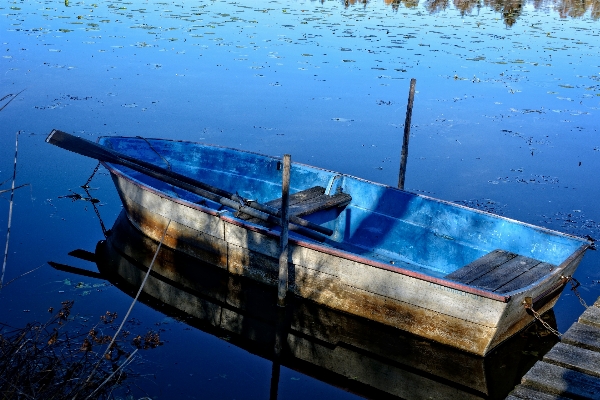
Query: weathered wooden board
point(501, 272)
point(505, 273)
point(299, 197)
point(481, 266)
point(584, 336)
point(294, 198)
point(527, 278)
point(306, 202)
point(575, 358)
point(525, 393)
point(591, 316)
point(319, 203)
point(562, 381)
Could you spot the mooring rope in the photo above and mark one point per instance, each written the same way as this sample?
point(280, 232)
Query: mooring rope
point(85, 187)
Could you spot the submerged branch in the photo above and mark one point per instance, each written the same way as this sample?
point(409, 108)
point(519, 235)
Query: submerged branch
point(18, 187)
point(13, 97)
point(22, 275)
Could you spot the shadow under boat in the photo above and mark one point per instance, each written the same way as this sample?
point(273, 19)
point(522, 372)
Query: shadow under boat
point(358, 355)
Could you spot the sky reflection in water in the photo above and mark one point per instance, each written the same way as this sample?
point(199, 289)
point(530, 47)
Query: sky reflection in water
point(505, 119)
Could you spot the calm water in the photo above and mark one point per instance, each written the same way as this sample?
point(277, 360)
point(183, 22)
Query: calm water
point(505, 119)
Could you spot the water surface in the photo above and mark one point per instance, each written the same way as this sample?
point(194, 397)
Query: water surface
point(505, 119)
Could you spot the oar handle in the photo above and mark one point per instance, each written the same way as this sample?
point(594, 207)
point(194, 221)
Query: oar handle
point(94, 150)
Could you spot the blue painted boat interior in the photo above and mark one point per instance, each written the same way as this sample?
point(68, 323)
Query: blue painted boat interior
point(381, 223)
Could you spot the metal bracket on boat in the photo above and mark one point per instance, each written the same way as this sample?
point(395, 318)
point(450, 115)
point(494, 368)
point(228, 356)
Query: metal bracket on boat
point(242, 202)
point(222, 210)
point(330, 184)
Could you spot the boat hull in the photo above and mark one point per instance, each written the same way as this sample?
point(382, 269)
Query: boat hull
point(373, 360)
point(449, 313)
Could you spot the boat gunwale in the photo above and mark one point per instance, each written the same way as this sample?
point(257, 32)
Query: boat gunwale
point(297, 239)
point(434, 199)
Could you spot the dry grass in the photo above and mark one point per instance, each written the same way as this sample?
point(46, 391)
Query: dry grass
point(50, 361)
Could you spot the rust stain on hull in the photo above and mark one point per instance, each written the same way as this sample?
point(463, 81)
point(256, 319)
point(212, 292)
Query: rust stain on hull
point(319, 288)
point(327, 290)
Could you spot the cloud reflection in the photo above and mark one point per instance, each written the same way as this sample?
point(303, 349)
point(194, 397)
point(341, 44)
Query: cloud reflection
point(510, 9)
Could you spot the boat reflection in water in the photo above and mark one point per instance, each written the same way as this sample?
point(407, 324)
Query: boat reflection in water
point(367, 358)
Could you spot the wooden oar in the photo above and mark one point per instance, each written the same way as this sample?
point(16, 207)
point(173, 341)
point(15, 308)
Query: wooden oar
point(102, 153)
point(75, 270)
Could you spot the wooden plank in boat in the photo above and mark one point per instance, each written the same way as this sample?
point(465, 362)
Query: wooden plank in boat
point(584, 336)
point(481, 266)
point(299, 197)
point(501, 271)
point(527, 277)
point(309, 201)
point(561, 381)
point(502, 275)
point(319, 203)
point(294, 198)
point(575, 358)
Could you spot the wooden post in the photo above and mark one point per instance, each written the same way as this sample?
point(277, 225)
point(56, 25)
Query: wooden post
point(280, 339)
point(404, 153)
point(275, 373)
point(283, 256)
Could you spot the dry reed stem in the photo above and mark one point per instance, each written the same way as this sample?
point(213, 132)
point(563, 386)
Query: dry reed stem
point(22, 275)
point(108, 349)
point(124, 364)
point(48, 362)
point(10, 209)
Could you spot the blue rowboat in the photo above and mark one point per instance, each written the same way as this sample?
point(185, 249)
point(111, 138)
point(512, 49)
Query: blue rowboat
point(452, 274)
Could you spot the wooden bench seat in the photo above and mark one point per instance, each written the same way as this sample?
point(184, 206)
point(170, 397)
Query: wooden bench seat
point(501, 272)
point(307, 202)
